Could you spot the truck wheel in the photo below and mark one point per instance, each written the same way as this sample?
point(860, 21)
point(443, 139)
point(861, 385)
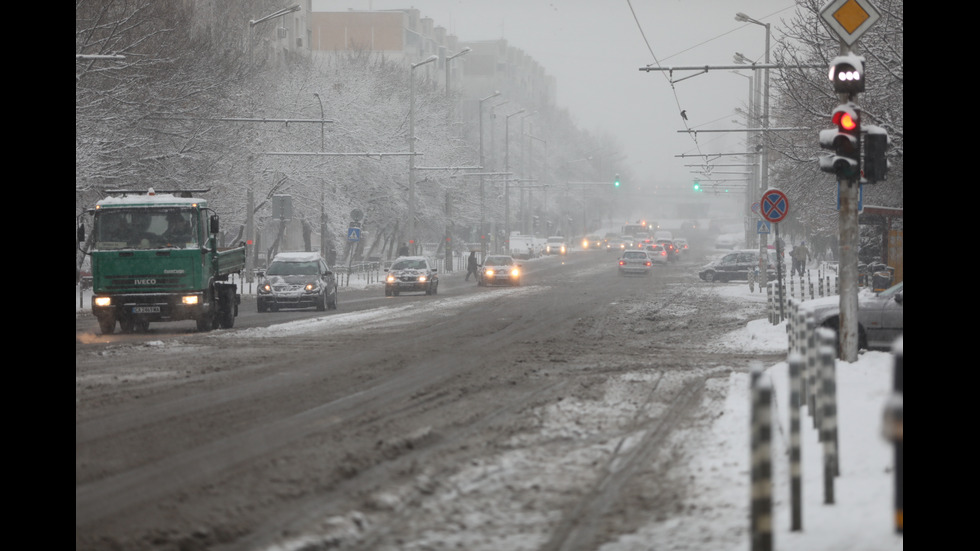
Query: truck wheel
point(107, 325)
point(126, 324)
point(226, 317)
point(141, 325)
point(204, 324)
point(206, 321)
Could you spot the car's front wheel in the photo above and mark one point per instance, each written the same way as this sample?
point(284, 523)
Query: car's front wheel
point(709, 276)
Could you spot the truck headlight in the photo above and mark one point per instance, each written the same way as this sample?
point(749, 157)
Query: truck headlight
point(190, 300)
point(103, 301)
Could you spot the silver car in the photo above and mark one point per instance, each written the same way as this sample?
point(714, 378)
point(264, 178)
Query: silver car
point(879, 316)
point(635, 262)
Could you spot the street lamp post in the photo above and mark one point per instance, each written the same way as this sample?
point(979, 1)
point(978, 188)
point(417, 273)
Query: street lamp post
point(764, 180)
point(250, 195)
point(507, 170)
point(750, 190)
point(462, 52)
point(483, 207)
point(323, 214)
point(252, 23)
point(524, 214)
point(411, 150)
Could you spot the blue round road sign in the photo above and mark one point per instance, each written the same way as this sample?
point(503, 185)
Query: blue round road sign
point(774, 205)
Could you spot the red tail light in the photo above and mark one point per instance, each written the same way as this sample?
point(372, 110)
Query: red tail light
point(648, 263)
point(622, 262)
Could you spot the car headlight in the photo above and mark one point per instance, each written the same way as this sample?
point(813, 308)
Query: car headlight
point(421, 279)
point(311, 288)
point(265, 288)
point(515, 272)
point(489, 273)
point(390, 278)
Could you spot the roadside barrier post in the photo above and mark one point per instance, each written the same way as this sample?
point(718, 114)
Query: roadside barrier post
point(762, 467)
point(892, 429)
point(810, 355)
point(828, 422)
point(796, 364)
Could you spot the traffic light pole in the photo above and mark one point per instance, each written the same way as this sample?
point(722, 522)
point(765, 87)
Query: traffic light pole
point(849, 190)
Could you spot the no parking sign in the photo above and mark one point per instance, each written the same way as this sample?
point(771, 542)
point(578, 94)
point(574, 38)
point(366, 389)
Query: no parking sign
point(774, 205)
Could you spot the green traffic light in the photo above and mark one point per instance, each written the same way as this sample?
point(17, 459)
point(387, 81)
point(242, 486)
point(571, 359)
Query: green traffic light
point(697, 185)
point(616, 181)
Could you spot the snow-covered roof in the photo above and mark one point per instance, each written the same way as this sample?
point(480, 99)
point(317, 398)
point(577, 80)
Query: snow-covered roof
point(146, 199)
point(296, 257)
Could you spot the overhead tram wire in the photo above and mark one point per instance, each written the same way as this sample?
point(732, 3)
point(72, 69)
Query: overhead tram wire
point(666, 74)
point(673, 90)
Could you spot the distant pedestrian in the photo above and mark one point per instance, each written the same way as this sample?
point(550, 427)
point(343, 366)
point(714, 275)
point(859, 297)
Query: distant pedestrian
point(403, 249)
point(800, 255)
point(471, 266)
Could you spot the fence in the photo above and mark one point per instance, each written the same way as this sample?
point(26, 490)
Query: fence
point(373, 271)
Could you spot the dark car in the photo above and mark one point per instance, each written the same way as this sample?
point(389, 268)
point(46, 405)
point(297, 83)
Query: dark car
point(411, 274)
point(737, 265)
point(499, 269)
point(672, 251)
point(880, 316)
point(297, 280)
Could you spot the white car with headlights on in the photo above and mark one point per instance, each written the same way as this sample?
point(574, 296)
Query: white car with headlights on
point(411, 274)
point(499, 269)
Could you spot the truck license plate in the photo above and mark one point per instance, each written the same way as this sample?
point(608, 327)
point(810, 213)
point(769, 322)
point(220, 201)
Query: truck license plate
point(146, 309)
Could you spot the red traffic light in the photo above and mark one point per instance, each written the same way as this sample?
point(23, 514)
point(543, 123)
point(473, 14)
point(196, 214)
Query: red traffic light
point(845, 120)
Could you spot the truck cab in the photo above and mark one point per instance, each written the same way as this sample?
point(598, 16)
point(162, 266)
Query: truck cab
point(155, 258)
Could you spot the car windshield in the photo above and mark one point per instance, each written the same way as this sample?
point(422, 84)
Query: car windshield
point(409, 265)
point(145, 228)
point(281, 268)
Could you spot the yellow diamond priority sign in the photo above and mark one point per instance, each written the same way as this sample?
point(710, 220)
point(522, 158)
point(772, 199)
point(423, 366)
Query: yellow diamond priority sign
point(849, 19)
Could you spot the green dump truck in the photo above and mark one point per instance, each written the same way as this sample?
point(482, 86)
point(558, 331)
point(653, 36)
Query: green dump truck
point(155, 257)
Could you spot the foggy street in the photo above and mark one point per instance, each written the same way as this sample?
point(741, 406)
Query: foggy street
point(353, 428)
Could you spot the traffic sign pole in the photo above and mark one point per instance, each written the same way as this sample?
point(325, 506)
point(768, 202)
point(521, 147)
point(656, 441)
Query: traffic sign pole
point(775, 206)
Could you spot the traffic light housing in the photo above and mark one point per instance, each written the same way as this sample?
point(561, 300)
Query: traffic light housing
point(616, 182)
point(847, 74)
point(875, 144)
point(844, 141)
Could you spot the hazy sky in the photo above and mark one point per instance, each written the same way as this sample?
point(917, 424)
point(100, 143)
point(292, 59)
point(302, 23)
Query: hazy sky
point(595, 49)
